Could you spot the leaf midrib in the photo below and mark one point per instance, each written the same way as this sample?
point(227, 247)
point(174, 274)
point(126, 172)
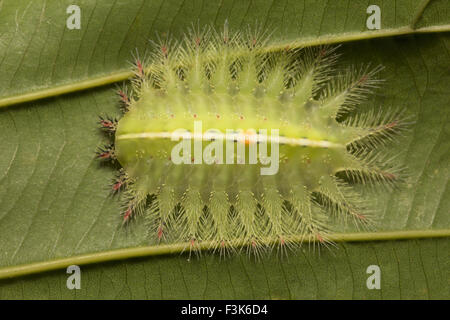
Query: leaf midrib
point(157, 250)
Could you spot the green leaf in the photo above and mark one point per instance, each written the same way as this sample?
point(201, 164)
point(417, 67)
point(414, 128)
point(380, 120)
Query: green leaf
point(54, 204)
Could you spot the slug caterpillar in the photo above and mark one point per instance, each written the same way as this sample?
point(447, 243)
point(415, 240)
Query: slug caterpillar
point(229, 82)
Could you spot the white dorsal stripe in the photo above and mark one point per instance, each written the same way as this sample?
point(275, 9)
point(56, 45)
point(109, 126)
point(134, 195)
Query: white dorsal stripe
point(253, 138)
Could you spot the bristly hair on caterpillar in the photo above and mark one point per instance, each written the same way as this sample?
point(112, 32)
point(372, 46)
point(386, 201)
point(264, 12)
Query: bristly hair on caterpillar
point(231, 81)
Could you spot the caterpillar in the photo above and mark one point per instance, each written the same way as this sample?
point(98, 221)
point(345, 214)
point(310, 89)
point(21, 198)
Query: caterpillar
point(195, 154)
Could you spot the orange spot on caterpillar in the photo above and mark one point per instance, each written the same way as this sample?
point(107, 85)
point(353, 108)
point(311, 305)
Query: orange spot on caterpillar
point(249, 137)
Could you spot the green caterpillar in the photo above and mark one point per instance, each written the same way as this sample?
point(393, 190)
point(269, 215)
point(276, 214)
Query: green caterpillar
point(230, 82)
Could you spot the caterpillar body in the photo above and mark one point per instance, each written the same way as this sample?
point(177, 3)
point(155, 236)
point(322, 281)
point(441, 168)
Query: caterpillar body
point(215, 82)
